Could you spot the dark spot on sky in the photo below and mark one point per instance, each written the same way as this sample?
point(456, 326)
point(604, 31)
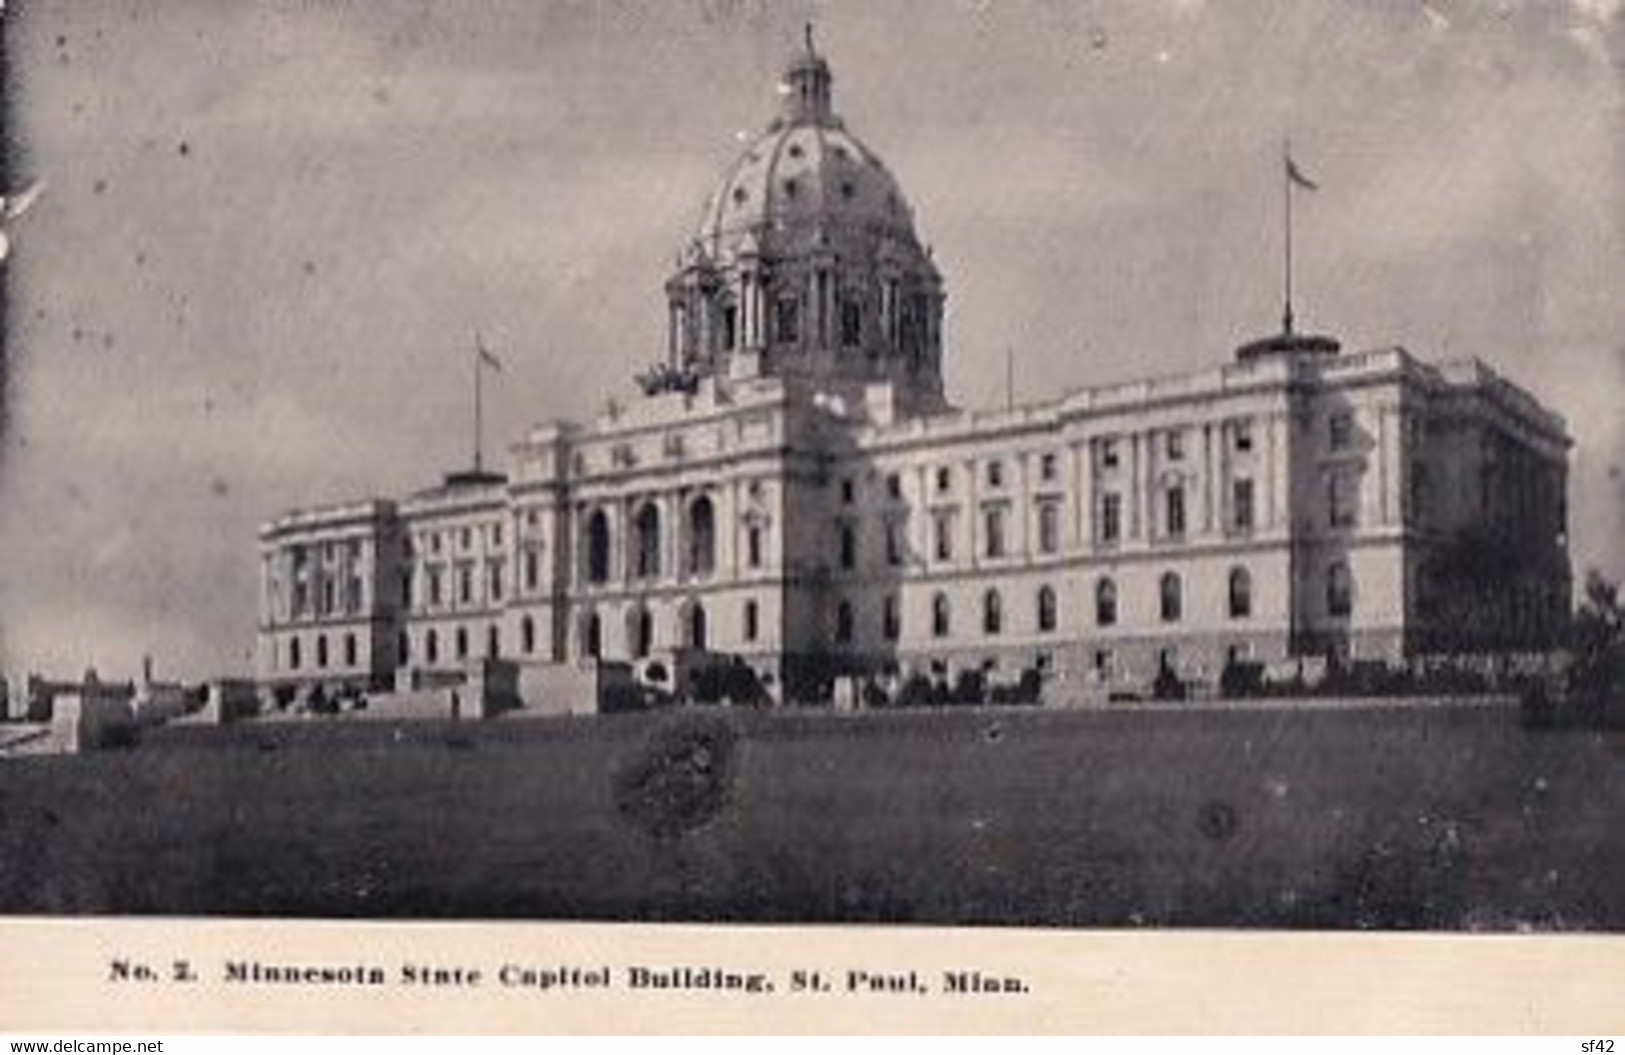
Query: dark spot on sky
point(78, 335)
point(1613, 472)
point(140, 259)
point(61, 41)
point(208, 404)
point(310, 267)
point(184, 149)
point(219, 488)
point(107, 340)
point(99, 187)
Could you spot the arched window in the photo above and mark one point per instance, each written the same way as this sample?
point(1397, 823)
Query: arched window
point(1105, 603)
point(702, 537)
point(462, 642)
point(640, 632)
point(843, 622)
point(592, 636)
point(891, 619)
point(293, 653)
point(598, 547)
point(349, 650)
point(646, 542)
point(431, 647)
point(849, 547)
point(1046, 609)
point(527, 635)
point(321, 651)
point(697, 636)
point(941, 616)
point(403, 646)
point(992, 612)
point(493, 641)
point(1171, 593)
point(752, 619)
point(1241, 593)
point(1339, 590)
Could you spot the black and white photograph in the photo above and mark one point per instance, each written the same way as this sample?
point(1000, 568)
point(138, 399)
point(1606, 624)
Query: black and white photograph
point(1055, 464)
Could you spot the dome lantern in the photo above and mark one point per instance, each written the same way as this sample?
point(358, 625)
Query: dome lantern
point(806, 87)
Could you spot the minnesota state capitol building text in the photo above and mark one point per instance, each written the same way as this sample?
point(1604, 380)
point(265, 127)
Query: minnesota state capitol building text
point(793, 490)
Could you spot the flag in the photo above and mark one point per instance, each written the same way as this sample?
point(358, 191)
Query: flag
point(1297, 176)
point(486, 357)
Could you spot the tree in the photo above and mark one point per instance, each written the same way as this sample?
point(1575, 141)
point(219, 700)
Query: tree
point(1597, 641)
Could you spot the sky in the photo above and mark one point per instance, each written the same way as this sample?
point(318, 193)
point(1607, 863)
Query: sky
point(270, 231)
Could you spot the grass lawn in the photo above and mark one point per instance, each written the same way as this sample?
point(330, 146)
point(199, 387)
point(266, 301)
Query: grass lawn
point(1333, 816)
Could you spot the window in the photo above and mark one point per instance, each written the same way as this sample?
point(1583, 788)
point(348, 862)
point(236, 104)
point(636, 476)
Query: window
point(752, 621)
point(1176, 446)
point(293, 654)
point(1340, 489)
point(641, 632)
point(465, 538)
point(1171, 594)
point(1241, 505)
point(353, 594)
point(849, 547)
point(942, 530)
point(1108, 453)
point(494, 572)
point(527, 635)
point(349, 650)
point(730, 327)
point(702, 537)
point(941, 616)
point(321, 651)
point(465, 584)
point(434, 586)
point(945, 480)
point(592, 636)
point(1242, 430)
point(462, 642)
point(995, 474)
point(493, 641)
point(894, 543)
point(1340, 430)
point(1046, 609)
point(1111, 517)
point(533, 569)
point(849, 491)
point(843, 622)
point(1339, 591)
point(431, 647)
point(1048, 467)
point(434, 542)
point(753, 546)
point(646, 542)
point(1419, 490)
point(698, 628)
point(787, 321)
point(403, 647)
point(851, 322)
point(891, 622)
point(496, 535)
point(329, 589)
point(992, 613)
point(1241, 593)
point(993, 519)
point(1049, 527)
point(598, 547)
point(1105, 603)
point(1174, 503)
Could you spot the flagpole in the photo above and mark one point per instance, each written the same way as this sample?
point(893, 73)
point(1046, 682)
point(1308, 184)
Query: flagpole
point(1286, 191)
point(479, 438)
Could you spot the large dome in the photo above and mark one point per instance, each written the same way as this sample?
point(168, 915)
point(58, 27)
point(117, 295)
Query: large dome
point(806, 264)
point(799, 174)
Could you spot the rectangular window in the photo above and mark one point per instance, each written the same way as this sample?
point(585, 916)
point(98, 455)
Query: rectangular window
point(1340, 500)
point(1242, 429)
point(1048, 467)
point(752, 618)
point(849, 491)
point(533, 569)
point(1111, 517)
point(945, 480)
point(1108, 454)
point(353, 595)
point(993, 520)
point(496, 535)
point(942, 527)
point(494, 578)
point(1176, 446)
point(406, 588)
point(1175, 510)
point(434, 586)
point(1049, 527)
point(894, 486)
point(787, 318)
point(1340, 430)
point(849, 546)
point(1241, 505)
point(730, 327)
point(894, 543)
point(995, 474)
point(891, 623)
point(465, 584)
point(753, 546)
point(851, 323)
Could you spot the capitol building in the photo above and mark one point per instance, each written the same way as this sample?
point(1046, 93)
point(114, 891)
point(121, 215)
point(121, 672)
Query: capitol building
point(794, 488)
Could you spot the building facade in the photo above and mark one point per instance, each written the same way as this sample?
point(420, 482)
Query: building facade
point(793, 488)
